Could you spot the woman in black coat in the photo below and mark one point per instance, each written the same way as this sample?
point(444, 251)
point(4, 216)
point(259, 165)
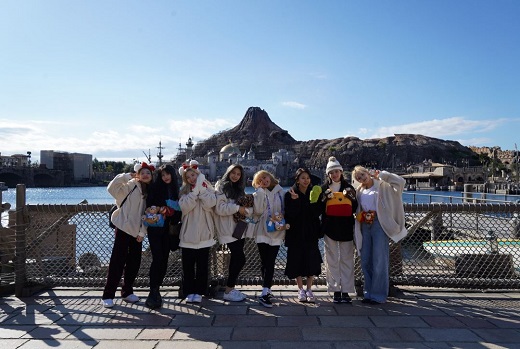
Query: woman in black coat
point(303, 254)
point(164, 193)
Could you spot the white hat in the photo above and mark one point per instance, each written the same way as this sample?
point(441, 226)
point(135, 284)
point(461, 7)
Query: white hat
point(333, 164)
point(193, 164)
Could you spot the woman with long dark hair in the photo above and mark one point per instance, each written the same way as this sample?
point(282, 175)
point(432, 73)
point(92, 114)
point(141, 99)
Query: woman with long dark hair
point(130, 191)
point(303, 254)
point(229, 189)
point(164, 193)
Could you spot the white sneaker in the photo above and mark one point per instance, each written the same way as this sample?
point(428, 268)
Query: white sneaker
point(197, 298)
point(131, 298)
point(234, 296)
point(189, 298)
point(310, 296)
point(108, 303)
point(302, 296)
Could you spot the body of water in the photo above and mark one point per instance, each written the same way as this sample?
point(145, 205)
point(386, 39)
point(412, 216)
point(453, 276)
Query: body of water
point(100, 195)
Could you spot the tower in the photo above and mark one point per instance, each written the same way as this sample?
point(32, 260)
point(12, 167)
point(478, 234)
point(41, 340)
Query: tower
point(159, 154)
point(189, 148)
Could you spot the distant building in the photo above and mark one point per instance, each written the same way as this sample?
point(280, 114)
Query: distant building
point(76, 167)
point(14, 160)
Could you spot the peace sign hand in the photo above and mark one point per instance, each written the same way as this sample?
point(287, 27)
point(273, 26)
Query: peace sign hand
point(294, 195)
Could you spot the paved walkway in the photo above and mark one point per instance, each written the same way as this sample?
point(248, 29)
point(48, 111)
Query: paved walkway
point(416, 318)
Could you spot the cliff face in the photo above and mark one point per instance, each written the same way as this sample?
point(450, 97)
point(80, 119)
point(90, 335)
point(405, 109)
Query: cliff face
point(257, 131)
point(391, 152)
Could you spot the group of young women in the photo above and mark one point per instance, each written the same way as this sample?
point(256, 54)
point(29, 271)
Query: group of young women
point(297, 218)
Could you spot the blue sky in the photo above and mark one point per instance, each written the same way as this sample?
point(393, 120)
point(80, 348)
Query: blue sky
point(113, 78)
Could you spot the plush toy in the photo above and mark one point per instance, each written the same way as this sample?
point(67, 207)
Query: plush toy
point(277, 223)
point(152, 217)
point(246, 201)
point(240, 219)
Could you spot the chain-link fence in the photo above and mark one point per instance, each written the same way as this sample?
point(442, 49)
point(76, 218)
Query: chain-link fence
point(449, 245)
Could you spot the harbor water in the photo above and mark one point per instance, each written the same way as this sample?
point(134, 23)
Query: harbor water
point(99, 195)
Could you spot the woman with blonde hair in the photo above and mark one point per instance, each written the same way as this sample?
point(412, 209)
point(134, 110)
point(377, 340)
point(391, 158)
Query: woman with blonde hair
point(197, 200)
point(379, 216)
point(268, 240)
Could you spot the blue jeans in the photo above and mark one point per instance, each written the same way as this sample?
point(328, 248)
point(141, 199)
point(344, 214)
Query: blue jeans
point(375, 260)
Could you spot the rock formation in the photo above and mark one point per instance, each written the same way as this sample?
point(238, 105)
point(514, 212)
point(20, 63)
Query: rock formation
point(257, 131)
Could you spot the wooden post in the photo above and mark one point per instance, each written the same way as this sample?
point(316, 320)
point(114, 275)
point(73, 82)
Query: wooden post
point(19, 277)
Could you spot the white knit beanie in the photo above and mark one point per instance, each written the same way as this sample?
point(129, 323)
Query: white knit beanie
point(333, 164)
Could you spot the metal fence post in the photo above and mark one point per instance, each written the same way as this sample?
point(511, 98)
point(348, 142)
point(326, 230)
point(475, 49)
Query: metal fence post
point(19, 278)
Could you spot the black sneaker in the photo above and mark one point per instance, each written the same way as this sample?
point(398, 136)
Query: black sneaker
point(337, 297)
point(345, 298)
point(265, 301)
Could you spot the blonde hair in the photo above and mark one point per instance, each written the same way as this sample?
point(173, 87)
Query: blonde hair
point(186, 187)
point(261, 173)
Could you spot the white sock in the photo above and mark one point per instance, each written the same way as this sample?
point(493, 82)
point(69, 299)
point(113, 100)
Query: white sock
point(265, 290)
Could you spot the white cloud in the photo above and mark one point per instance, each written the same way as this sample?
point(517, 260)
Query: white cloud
point(122, 142)
point(438, 128)
point(294, 105)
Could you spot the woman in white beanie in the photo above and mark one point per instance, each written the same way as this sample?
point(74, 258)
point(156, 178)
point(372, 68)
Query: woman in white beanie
point(337, 219)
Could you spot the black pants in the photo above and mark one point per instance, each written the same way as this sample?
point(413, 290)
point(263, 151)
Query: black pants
point(268, 255)
point(125, 259)
point(159, 240)
point(195, 270)
point(236, 262)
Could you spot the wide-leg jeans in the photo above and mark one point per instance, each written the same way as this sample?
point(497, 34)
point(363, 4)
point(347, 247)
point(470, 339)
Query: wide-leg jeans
point(375, 260)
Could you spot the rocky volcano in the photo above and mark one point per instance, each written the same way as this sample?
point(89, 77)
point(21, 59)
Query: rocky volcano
point(256, 131)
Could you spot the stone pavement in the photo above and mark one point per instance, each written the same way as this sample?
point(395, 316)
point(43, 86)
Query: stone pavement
point(415, 318)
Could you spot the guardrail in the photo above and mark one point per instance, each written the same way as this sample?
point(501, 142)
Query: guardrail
point(469, 245)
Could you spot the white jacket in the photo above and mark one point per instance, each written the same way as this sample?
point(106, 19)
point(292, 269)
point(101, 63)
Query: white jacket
point(275, 199)
point(390, 210)
point(128, 217)
point(198, 227)
point(225, 208)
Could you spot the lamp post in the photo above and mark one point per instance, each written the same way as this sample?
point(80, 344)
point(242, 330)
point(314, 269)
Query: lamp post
point(492, 242)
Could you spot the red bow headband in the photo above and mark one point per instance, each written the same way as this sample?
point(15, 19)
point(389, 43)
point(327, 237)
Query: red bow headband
point(193, 166)
point(139, 167)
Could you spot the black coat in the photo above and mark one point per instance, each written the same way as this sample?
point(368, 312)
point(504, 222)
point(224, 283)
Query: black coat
point(303, 218)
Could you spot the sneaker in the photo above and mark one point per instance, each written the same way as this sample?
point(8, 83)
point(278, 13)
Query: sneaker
point(131, 298)
point(197, 298)
point(265, 301)
point(366, 300)
point(302, 296)
point(108, 303)
point(337, 297)
point(189, 298)
point(234, 296)
point(345, 298)
point(310, 296)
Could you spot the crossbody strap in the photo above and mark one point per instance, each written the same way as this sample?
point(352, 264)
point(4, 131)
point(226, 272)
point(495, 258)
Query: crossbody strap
point(127, 195)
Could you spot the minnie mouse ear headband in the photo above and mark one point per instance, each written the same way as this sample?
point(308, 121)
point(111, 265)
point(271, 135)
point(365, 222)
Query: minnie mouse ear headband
point(139, 167)
point(193, 165)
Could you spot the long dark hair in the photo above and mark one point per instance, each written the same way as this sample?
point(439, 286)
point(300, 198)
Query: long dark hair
point(230, 189)
point(173, 187)
point(160, 191)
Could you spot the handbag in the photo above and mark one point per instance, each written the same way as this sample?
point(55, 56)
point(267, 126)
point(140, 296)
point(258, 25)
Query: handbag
point(114, 208)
